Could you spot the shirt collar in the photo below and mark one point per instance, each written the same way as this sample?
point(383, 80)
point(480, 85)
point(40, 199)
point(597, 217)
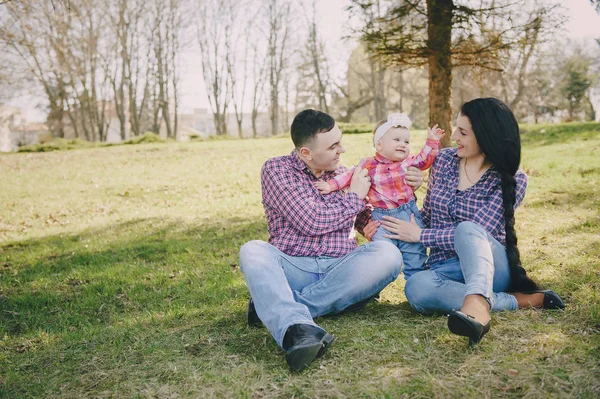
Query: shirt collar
point(297, 163)
point(381, 159)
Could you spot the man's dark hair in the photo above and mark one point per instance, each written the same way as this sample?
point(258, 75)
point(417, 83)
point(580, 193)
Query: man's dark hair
point(307, 124)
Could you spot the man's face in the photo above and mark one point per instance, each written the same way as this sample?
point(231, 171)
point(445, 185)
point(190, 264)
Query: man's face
point(325, 150)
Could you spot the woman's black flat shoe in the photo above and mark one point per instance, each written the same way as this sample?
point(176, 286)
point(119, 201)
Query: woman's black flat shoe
point(551, 300)
point(466, 326)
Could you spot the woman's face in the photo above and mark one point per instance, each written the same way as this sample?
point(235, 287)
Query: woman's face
point(465, 138)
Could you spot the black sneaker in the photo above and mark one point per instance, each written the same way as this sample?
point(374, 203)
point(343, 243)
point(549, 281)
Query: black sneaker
point(361, 304)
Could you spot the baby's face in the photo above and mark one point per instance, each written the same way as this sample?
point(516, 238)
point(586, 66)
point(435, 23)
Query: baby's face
point(395, 144)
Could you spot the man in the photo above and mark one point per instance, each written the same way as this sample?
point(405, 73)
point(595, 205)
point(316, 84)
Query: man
point(311, 265)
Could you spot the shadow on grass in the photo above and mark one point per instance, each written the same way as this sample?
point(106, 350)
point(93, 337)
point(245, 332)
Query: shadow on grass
point(104, 276)
point(541, 135)
point(231, 337)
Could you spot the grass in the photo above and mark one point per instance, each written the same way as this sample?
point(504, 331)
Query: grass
point(119, 277)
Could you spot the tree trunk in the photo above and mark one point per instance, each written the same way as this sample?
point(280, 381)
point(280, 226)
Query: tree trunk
point(439, 31)
point(254, 116)
point(274, 108)
point(400, 92)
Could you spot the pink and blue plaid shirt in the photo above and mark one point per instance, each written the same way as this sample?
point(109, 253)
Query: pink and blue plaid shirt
point(445, 207)
point(301, 221)
point(388, 188)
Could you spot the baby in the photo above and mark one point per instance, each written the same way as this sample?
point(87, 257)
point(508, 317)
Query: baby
point(389, 194)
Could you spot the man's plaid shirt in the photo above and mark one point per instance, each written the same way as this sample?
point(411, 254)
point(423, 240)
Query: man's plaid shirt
point(301, 221)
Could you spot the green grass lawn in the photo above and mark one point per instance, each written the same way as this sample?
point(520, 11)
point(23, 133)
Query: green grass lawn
point(119, 277)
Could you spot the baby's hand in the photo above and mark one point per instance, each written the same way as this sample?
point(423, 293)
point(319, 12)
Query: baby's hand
point(435, 133)
point(323, 187)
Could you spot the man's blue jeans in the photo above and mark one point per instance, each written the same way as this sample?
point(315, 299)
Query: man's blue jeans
point(414, 254)
point(480, 268)
point(289, 290)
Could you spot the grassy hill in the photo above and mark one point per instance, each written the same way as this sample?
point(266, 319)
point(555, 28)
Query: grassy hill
point(119, 277)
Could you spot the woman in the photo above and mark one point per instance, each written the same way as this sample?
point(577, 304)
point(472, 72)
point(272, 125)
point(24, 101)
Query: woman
point(468, 214)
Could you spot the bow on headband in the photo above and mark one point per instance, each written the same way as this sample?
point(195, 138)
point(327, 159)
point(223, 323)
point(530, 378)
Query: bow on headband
point(393, 120)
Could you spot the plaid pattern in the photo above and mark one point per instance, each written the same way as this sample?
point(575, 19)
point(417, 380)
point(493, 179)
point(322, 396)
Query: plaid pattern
point(388, 188)
point(445, 207)
point(301, 221)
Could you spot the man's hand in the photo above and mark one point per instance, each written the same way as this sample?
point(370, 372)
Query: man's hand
point(435, 133)
point(360, 184)
point(370, 229)
point(414, 177)
point(323, 187)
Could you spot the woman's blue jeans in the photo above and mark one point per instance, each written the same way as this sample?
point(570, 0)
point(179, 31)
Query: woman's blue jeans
point(289, 290)
point(414, 254)
point(481, 267)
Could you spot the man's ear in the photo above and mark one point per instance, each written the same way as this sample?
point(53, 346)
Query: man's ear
point(306, 153)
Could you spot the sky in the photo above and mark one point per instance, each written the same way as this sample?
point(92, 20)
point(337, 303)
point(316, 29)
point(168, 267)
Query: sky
point(583, 24)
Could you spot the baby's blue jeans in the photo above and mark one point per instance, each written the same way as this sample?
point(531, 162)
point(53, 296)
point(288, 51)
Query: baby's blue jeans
point(413, 253)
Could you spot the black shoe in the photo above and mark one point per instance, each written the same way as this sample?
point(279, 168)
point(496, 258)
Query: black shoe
point(361, 304)
point(253, 319)
point(551, 300)
point(304, 343)
point(466, 326)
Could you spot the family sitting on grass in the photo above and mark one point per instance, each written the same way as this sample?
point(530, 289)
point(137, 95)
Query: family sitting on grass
point(312, 266)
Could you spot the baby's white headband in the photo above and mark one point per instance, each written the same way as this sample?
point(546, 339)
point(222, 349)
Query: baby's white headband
point(393, 120)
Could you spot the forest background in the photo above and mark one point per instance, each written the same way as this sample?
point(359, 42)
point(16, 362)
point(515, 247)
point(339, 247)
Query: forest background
point(88, 67)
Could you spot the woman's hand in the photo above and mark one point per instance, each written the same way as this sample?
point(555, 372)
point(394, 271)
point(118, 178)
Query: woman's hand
point(401, 230)
point(370, 229)
point(414, 177)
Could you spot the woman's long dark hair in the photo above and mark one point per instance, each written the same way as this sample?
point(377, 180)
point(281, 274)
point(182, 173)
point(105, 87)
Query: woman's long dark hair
point(497, 134)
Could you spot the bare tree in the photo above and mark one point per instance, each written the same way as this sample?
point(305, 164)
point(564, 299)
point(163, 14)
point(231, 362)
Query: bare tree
point(316, 51)
point(259, 70)
point(237, 56)
point(161, 53)
point(540, 24)
point(96, 60)
point(352, 104)
point(126, 20)
point(278, 14)
point(88, 83)
point(28, 30)
point(175, 21)
point(213, 35)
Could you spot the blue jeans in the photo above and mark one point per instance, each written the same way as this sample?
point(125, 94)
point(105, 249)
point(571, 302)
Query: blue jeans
point(480, 268)
point(414, 254)
point(289, 290)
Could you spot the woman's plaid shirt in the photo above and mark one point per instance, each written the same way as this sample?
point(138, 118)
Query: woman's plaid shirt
point(301, 221)
point(445, 207)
